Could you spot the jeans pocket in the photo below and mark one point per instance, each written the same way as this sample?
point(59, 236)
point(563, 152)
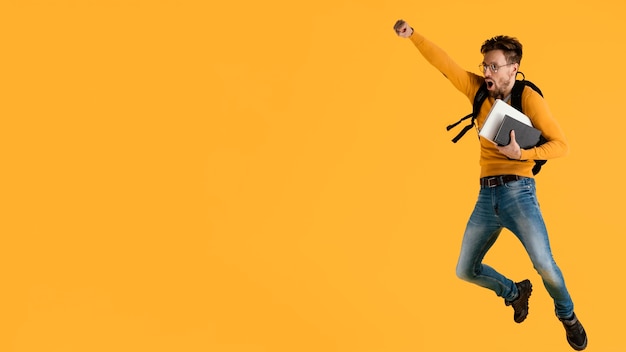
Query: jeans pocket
point(525, 183)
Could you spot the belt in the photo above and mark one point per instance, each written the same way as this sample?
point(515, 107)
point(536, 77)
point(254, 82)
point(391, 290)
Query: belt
point(493, 181)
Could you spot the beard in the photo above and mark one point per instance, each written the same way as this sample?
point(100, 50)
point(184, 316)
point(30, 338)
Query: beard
point(499, 92)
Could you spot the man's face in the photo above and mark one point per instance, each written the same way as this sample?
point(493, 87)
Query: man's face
point(499, 82)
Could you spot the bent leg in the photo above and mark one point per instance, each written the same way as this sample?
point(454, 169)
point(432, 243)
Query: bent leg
point(482, 231)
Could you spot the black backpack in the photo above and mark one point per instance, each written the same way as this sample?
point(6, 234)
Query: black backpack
point(516, 102)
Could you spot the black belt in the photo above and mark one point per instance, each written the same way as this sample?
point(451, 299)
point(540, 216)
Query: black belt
point(493, 181)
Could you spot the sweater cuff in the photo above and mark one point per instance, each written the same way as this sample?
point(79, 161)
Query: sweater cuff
point(525, 154)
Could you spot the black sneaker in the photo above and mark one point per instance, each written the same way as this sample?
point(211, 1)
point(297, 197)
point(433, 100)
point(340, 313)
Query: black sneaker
point(520, 305)
point(576, 335)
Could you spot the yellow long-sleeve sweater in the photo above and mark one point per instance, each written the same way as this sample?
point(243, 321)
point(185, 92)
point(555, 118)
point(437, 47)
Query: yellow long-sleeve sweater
point(493, 162)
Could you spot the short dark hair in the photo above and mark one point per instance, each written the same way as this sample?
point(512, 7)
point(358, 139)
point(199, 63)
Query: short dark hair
point(511, 47)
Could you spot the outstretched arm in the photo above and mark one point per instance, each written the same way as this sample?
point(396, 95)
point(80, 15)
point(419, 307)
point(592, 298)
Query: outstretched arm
point(466, 82)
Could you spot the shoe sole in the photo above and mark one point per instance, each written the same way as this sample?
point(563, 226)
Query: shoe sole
point(576, 347)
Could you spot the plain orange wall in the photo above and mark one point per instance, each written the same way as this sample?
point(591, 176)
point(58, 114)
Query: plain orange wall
point(275, 176)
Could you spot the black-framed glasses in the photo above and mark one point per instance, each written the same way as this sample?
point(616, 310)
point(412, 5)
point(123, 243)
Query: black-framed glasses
point(492, 67)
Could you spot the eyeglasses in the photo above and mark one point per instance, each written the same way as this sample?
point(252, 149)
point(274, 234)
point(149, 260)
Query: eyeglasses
point(492, 67)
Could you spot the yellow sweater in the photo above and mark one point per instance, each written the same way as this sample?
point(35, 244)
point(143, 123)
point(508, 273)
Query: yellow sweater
point(492, 162)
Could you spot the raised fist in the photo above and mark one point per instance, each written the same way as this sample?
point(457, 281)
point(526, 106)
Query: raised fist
point(402, 29)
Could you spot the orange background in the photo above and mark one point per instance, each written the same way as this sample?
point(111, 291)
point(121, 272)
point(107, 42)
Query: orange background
point(276, 176)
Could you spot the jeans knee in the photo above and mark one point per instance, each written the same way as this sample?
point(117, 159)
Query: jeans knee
point(549, 272)
point(464, 272)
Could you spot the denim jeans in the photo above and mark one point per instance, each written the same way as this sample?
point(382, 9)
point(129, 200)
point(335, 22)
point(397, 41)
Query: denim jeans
point(513, 206)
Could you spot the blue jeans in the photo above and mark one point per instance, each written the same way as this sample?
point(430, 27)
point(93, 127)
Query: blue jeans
point(513, 206)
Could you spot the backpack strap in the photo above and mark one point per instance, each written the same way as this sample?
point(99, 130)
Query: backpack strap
point(516, 102)
point(479, 98)
point(518, 89)
point(516, 94)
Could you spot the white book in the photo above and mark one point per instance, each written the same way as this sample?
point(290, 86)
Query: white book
point(496, 116)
